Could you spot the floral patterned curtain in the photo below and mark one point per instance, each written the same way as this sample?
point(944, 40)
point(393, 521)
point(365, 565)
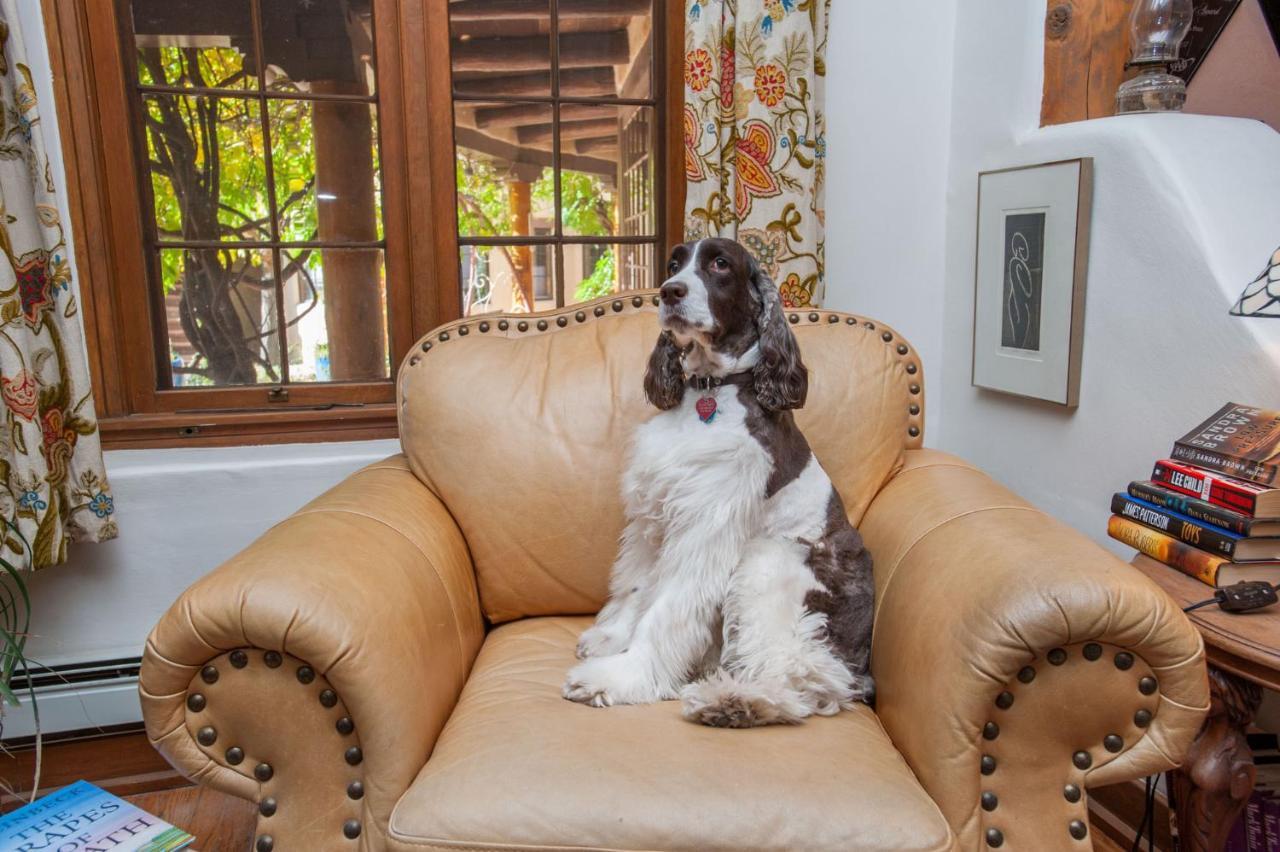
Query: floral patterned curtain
point(755, 133)
point(53, 486)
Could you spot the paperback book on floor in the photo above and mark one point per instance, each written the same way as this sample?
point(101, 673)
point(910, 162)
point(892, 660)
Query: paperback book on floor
point(85, 818)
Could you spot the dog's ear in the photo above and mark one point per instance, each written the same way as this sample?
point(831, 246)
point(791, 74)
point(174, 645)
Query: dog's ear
point(664, 380)
point(781, 378)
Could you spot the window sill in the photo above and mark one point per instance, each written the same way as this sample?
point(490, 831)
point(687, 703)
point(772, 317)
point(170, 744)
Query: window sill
point(231, 428)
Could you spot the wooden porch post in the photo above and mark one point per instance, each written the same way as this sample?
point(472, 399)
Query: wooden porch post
point(521, 256)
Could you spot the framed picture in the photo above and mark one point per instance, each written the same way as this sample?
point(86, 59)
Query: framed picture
point(1033, 252)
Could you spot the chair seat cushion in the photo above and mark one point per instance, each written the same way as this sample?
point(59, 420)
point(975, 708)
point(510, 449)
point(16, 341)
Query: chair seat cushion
point(519, 767)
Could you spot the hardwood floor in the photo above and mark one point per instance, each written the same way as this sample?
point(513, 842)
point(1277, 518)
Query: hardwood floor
point(220, 823)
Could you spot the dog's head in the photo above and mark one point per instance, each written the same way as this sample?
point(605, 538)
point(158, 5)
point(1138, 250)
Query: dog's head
point(718, 306)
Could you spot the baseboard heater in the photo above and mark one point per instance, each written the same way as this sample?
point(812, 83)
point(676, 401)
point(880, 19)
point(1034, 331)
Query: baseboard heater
point(92, 697)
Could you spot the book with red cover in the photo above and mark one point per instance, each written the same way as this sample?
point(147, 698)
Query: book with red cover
point(1248, 498)
point(1238, 440)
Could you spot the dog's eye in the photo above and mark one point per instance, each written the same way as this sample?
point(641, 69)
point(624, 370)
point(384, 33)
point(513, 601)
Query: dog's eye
point(720, 264)
point(673, 267)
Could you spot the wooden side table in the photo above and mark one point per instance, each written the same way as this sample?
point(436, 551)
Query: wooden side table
point(1243, 650)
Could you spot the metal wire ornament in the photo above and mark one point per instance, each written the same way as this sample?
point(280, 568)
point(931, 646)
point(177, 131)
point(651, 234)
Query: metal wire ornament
point(1262, 297)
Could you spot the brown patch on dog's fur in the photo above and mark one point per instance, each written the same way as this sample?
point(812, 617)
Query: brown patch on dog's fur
point(777, 432)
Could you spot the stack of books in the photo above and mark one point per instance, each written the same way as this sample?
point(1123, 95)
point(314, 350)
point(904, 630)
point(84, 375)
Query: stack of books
point(1258, 828)
point(1212, 509)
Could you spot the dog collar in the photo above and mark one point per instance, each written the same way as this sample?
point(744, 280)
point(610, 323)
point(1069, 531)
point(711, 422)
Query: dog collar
point(710, 382)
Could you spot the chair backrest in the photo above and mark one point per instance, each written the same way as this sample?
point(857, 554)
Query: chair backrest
point(521, 424)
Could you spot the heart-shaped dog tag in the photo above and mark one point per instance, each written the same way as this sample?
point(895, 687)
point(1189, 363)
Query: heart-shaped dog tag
point(706, 407)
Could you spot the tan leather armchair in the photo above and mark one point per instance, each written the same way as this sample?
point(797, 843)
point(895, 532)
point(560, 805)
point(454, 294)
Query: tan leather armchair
point(382, 670)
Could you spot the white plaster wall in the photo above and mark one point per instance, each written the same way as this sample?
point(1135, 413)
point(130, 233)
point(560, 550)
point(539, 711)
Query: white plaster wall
point(1186, 210)
point(888, 132)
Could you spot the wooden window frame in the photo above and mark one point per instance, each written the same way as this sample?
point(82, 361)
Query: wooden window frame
point(92, 90)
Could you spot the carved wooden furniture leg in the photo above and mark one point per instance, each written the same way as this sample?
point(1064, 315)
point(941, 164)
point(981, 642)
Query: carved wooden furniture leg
point(1217, 776)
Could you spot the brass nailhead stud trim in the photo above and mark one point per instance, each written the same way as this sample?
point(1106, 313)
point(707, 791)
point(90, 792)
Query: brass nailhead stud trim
point(484, 327)
point(444, 335)
point(354, 755)
point(994, 837)
point(813, 317)
point(503, 325)
point(887, 336)
point(599, 311)
point(902, 349)
point(273, 659)
point(413, 362)
point(833, 318)
point(235, 755)
point(637, 301)
point(562, 321)
point(1092, 651)
point(653, 299)
point(911, 369)
point(988, 764)
point(1004, 700)
point(913, 409)
point(1112, 743)
point(1026, 674)
point(328, 697)
point(617, 306)
point(1147, 685)
point(914, 388)
point(990, 731)
point(1142, 718)
point(209, 674)
point(989, 801)
point(265, 843)
point(263, 772)
point(1124, 661)
point(426, 347)
point(542, 325)
point(522, 326)
point(1078, 829)
point(869, 325)
point(852, 320)
point(1057, 656)
point(239, 659)
point(914, 431)
point(267, 807)
point(355, 790)
point(1082, 760)
point(793, 318)
point(206, 736)
point(1071, 793)
point(195, 702)
point(345, 725)
point(306, 674)
point(463, 331)
point(351, 829)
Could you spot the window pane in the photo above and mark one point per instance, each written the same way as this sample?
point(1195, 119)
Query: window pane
point(597, 269)
point(324, 157)
point(505, 185)
point(498, 51)
point(610, 35)
point(336, 314)
point(606, 182)
point(201, 194)
point(321, 46)
point(507, 278)
point(195, 43)
point(220, 316)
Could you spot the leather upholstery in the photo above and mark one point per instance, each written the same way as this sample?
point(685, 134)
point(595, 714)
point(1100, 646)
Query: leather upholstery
point(1000, 585)
point(507, 494)
point(545, 418)
point(519, 765)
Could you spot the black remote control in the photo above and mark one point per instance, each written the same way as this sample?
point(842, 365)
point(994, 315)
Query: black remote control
point(1247, 595)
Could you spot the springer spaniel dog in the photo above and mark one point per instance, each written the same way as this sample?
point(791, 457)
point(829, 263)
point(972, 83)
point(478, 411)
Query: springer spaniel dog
point(740, 587)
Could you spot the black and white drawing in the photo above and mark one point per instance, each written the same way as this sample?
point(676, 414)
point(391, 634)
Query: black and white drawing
point(1023, 280)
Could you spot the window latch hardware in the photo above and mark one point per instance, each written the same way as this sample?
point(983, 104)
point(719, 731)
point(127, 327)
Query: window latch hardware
point(278, 394)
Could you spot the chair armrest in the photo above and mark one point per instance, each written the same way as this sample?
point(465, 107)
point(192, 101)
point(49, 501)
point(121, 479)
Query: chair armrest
point(312, 672)
point(1016, 661)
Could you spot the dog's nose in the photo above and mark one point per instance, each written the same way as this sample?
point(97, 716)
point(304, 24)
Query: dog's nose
point(673, 291)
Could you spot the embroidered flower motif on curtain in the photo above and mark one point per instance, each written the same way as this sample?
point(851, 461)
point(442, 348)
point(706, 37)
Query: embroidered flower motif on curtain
point(53, 486)
point(754, 134)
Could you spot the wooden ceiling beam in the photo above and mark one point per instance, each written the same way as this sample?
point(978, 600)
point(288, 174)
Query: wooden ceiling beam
point(597, 146)
point(533, 53)
point(535, 134)
point(473, 140)
point(521, 114)
point(481, 10)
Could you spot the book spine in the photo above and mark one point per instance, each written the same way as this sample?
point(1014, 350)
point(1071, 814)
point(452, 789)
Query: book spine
point(1165, 521)
point(1271, 822)
point(1163, 548)
point(1254, 837)
point(1205, 485)
point(1262, 472)
point(1192, 507)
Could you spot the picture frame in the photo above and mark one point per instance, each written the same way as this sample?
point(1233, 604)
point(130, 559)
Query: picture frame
point(1029, 281)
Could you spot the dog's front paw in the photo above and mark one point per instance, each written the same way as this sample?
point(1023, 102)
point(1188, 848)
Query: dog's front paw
point(605, 681)
point(597, 641)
